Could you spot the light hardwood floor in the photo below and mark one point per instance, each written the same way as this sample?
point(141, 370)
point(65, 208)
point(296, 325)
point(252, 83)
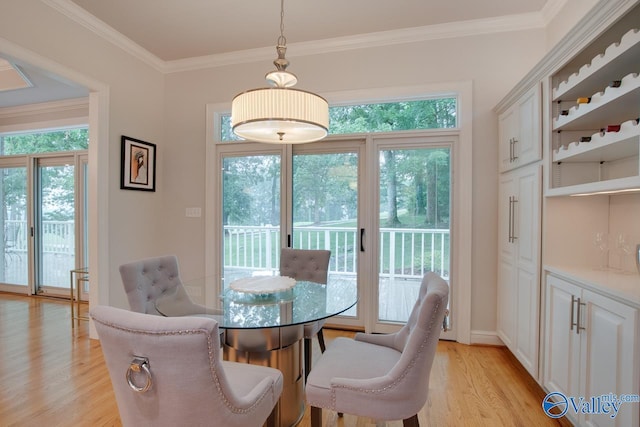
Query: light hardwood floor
point(55, 376)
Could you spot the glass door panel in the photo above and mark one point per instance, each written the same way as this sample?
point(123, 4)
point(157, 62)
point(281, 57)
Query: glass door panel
point(325, 210)
point(251, 187)
point(55, 237)
point(414, 215)
point(14, 269)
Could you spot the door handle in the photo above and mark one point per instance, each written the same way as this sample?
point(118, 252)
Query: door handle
point(362, 240)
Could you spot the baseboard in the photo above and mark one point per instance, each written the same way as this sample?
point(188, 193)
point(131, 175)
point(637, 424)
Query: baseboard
point(485, 338)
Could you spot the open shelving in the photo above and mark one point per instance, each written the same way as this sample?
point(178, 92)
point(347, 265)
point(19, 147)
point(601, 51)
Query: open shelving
point(585, 157)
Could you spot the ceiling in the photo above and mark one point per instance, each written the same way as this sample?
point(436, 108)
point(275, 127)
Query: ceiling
point(170, 31)
point(173, 30)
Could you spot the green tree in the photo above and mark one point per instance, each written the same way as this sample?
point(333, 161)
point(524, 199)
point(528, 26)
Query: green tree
point(250, 190)
point(57, 183)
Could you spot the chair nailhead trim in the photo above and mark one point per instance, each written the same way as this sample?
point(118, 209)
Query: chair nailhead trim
point(401, 377)
point(212, 361)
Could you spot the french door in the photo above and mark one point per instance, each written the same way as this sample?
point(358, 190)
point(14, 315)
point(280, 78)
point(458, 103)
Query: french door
point(303, 197)
point(323, 205)
point(412, 223)
point(380, 204)
point(44, 216)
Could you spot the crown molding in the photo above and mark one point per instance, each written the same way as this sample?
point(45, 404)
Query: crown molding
point(363, 41)
point(44, 108)
point(551, 9)
point(100, 28)
point(518, 22)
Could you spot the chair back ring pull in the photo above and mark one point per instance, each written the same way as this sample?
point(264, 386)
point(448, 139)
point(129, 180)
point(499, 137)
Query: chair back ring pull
point(139, 364)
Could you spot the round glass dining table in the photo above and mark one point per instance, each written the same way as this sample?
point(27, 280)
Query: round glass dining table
point(267, 328)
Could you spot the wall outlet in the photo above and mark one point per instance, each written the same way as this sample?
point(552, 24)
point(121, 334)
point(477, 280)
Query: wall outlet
point(193, 212)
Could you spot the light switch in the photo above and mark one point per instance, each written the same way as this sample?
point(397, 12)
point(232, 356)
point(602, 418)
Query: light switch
point(194, 212)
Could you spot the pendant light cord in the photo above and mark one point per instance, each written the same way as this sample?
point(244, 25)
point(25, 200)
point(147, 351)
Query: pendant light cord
point(282, 40)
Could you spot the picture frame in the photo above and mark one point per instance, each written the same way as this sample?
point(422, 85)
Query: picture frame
point(138, 165)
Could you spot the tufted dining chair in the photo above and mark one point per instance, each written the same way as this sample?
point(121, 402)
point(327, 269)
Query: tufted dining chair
point(392, 381)
point(148, 279)
point(310, 265)
point(167, 371)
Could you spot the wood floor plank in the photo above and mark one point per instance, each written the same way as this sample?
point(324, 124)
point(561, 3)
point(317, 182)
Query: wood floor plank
point(55, 376)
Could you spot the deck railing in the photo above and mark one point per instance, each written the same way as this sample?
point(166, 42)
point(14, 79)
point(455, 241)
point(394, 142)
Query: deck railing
point(58, 237)
point(404, 253)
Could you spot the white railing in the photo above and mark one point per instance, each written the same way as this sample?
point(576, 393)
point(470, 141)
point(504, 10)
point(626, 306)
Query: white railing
point(58, 237)
point(405, 253)
point(57, 252)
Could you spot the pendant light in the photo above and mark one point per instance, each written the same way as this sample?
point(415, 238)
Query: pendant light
point(280, 114)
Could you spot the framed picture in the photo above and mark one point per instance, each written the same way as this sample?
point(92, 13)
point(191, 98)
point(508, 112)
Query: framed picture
point(138, 171)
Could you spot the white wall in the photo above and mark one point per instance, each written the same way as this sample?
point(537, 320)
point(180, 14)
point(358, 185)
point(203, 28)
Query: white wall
point(565, 19)
point(170, 111)
point(494, 63)
point(136, 99)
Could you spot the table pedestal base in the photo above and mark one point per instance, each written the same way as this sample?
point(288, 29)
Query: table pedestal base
point(279, 348)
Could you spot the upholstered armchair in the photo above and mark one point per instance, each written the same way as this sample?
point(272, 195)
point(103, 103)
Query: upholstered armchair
point(148, 279)
point(167, 371)
point(310, 265)
point(384, 377)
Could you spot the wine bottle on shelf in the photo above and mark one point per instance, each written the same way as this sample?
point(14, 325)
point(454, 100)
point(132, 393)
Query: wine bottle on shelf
point(585, 139)
point(564, 112)
point(583, 100)
point(615, 83)
point(613, 128)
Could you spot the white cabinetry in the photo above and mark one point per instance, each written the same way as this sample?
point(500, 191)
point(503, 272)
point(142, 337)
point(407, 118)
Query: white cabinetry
point(595, 145)
point(518, 273)
point(591, 350)
point(519, 131)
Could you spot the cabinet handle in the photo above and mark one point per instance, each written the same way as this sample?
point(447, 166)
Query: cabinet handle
point(510, 219)
point(578, 317)
point(513, 219)
point(576, 301)
point(514, 149)
point(510, 150)
point(571, 322)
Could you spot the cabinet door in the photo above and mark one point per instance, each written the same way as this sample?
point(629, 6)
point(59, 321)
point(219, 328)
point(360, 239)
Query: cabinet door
point(507, 129)
point(562, 343)
point(507, 193)
point(506, 325)
point(507, 302)
point(526, 234)
point(527, 320)
point(527, 147)
point(526, 209)
point(608, 356)
point(519, 131)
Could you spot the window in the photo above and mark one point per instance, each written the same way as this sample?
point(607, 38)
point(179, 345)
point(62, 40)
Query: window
point(42, 198)
point(45, 141)
point(433, 113)
point(404, 127)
